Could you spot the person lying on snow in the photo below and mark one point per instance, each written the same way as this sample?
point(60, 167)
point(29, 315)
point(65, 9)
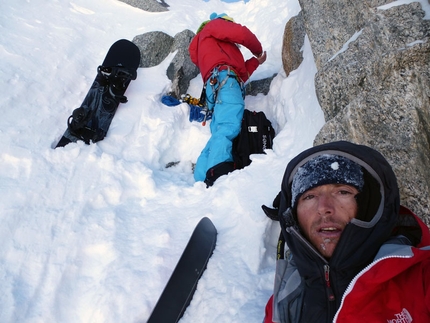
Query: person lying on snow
point(355, 254)
point(215, 51)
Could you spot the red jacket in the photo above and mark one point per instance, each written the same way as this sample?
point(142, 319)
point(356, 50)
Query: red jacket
point(392, 289)
point(216, 45)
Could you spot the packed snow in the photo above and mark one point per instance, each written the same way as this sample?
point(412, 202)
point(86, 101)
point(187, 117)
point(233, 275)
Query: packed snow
point(91, 233)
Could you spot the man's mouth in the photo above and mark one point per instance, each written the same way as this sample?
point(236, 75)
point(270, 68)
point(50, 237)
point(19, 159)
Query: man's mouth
point(330, 229)
point(330, 232)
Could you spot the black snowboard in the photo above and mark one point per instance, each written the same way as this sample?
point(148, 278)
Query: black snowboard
point(90, 122)
point(182, 284)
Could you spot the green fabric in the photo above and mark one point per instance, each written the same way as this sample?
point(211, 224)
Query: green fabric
point(202, 26)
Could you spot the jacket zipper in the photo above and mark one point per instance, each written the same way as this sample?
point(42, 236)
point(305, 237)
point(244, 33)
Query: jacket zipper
point(330, 293)
point(329, 289)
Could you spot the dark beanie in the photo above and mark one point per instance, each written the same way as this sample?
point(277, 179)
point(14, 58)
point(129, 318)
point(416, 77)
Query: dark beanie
point(325, 169)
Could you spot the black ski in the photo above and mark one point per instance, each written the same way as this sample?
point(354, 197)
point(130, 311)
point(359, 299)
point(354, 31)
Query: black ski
point(182, 284)
point(90, 122)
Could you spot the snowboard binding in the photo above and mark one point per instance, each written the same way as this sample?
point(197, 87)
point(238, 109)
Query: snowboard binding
point(117, 79)
point(76, 124)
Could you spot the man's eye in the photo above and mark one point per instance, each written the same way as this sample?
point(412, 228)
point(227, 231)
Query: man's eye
point(345, 192)
point(308, 197)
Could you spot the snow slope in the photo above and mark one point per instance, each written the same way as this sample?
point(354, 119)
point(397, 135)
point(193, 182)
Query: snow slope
point(92, 233)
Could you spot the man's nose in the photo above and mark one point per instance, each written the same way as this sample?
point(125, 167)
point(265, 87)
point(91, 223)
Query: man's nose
point(325, 204)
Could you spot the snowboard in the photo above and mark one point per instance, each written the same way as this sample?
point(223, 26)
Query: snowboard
point(182, 284)
point(90, 122)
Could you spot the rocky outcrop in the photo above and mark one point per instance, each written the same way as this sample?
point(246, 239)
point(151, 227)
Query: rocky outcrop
point(181, 70)
point(154, 47)
point(259, 86)
point(373, 84)
point(294, 36)
point(148, 5)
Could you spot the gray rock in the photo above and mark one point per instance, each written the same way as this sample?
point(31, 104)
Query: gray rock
point(148, 5)
point(329, 24)
point(294, 38)
point(154, 47)
point(376, 91)
point(259, 86)
point(181, 70)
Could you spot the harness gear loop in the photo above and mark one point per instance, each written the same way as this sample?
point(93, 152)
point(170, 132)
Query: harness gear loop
point(217, 85)
point(198, 103)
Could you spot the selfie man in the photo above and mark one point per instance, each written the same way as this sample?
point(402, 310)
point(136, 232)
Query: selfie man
point(354, 254)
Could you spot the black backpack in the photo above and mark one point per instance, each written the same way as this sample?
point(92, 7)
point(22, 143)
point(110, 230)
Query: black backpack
point(255, 136)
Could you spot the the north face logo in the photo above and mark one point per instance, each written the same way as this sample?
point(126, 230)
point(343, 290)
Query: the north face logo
point(403, 317)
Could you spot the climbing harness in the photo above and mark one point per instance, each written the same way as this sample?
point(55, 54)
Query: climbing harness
point(216, 84)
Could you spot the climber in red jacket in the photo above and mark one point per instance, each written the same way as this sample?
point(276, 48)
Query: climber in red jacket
point(215, 51)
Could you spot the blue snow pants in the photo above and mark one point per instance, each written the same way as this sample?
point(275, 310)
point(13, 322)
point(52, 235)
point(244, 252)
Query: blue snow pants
point(225, 124)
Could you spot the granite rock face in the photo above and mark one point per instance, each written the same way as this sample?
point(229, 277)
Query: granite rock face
point(181, 70)
point(294, 36)
point(259, 86)
point(148, 5)
point(155, 46)
point(373, 84)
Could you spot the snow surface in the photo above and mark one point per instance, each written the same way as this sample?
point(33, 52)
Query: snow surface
point(91, 233)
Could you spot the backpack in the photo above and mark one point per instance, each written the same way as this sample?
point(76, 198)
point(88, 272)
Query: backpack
point(255, 136)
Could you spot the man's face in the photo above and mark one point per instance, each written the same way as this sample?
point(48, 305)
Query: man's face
point(323, 213)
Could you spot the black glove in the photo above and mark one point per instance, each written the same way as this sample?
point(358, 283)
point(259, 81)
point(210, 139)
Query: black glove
point(272, 213)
